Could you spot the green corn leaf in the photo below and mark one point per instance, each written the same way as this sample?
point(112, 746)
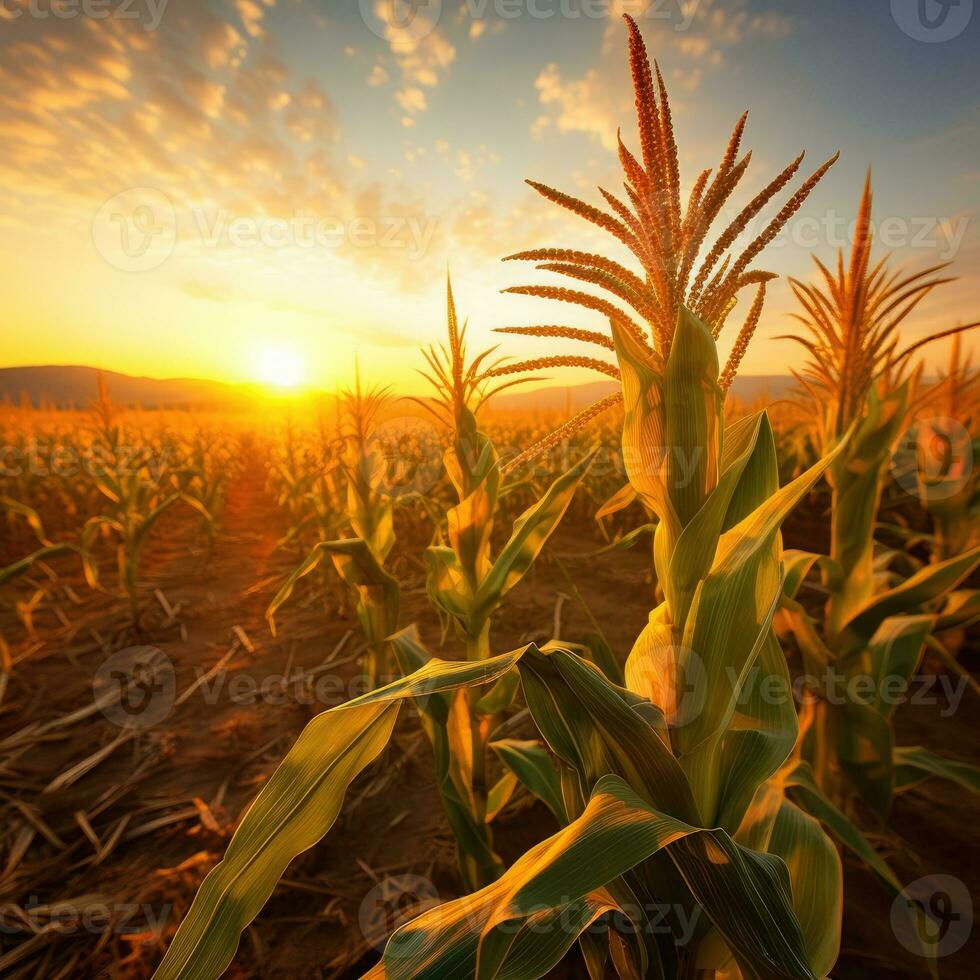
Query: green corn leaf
point(361, 570)
point(817, 883)
point(296, 808)
point(803, 788)
point(913, 764)
point(596, 728)
point(857, 481)
point(620, 500)
point(511, 928)
point(761, 735)
point(18, 568)
point(865, 743)
point(500, 794)
point(447, 721)
point(961, 609)
point(695, 549)
point(530, 763)
point(730, 620)
point(531, 531)
point(930, 583)
point(896, 651)
point(798, 565)
point(644, 437)
point(626, 541)
point(694, 416)
point(29, 514)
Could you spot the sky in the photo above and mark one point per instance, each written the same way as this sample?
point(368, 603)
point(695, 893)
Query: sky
point(224, 188)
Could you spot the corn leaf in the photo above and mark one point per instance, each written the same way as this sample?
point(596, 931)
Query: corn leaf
point(360, 569)
point(928, 584)
point(531, 531)
point(817, 883)
point(532, 766)
point(297, 807)
point(521, 926)
point(913, 764)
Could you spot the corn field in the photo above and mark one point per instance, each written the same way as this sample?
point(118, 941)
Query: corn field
point(672, 685)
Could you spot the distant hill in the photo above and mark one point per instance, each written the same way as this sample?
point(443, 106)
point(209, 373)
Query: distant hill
point(556, 398)
point(65, 386)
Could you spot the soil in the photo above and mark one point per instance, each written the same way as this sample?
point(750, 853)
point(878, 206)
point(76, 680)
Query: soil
point(136, 832)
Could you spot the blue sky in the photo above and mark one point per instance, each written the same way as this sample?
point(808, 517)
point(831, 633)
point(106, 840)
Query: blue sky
point(414, 141)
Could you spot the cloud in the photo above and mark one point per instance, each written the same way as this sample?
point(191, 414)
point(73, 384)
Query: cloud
point(411, 99)
point(586, 105)
point(421, 51)
point(378, 77)
point(252, 12)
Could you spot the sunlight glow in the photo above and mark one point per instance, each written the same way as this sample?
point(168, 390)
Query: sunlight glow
point(280, 367)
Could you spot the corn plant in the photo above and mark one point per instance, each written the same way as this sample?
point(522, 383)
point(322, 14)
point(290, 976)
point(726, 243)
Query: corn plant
point(36, 559)
point(467, 585)
point(665, 802)
point(947, 449)
point(858, 377)
point(138, 491)
point(360, 559)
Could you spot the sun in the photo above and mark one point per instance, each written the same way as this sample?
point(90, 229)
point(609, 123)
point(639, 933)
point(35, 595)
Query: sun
point(280, 367)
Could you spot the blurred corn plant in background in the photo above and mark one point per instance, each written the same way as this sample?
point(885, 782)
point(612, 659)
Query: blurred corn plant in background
point(858, 377)
point(139, 486)
point(35, 561)
point(942, 458)
point(681, 851)
point(360, 557)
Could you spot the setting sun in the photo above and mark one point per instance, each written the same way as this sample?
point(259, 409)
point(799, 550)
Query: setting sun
point(280, 367)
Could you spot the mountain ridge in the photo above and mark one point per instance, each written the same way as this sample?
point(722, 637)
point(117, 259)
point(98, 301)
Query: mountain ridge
point(72, 385)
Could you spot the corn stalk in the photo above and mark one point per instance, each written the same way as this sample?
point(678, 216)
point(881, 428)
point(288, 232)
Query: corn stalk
point(467, 585)
point(360, 558)
point(856, 376)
